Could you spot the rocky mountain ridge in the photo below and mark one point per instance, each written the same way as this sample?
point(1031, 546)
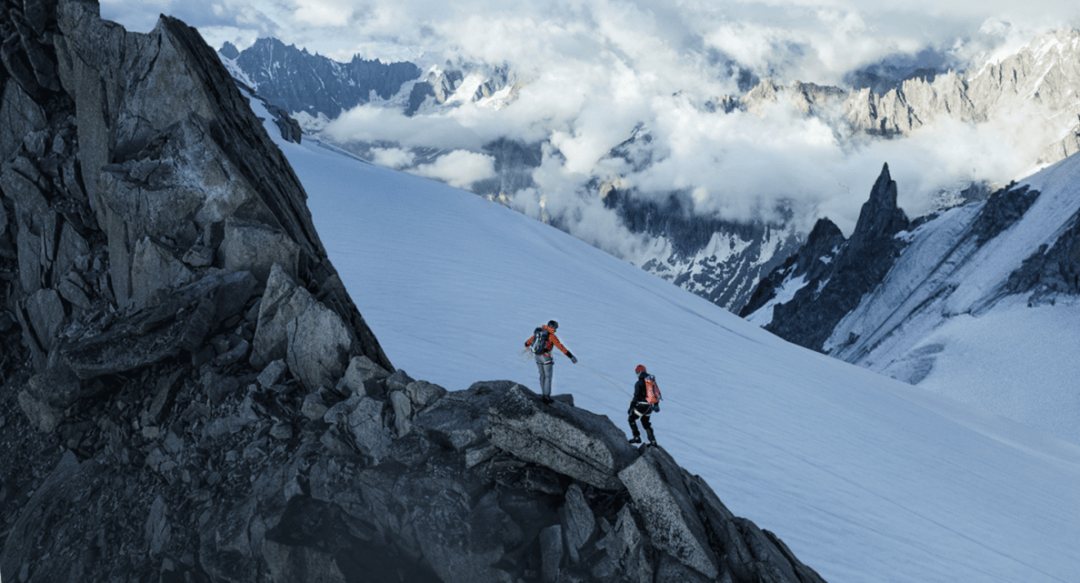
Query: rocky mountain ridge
point(297, 81)
point(187, 393)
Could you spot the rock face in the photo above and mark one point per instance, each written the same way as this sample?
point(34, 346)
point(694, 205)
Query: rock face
point(836, 273)
point(297, 81)
point(187, 393)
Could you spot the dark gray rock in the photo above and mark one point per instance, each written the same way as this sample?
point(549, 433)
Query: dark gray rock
point(670, 517)
point(257, 247)
point(71, 249)
point(21, 181)
point(366, 425)
point(179, 323)
point(459, 420)
point(359, 374)
point(46, 316)
point(571, 441)
point(399, 381)
point(423, 393)
point(199, 256)
point(319, 346)
point(314, 407)
point(403, 411)
point(272, 373)
point(579, 523)
point(289, 563)
point(551, 551)
point(19, 115)
point(154, 269)
point(158, 529)
point(282, 302)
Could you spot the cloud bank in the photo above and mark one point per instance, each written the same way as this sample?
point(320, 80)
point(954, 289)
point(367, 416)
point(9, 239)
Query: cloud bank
point(598, 72)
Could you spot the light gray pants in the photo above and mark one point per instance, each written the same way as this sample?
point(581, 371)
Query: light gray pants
point(545, 363)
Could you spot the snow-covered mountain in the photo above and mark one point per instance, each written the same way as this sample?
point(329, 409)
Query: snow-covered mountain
point(1029, 96)
point(314, 88)
point(867, 479)
point(979, 302)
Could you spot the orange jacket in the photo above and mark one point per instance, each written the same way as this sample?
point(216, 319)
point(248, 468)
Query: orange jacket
point(552, 340)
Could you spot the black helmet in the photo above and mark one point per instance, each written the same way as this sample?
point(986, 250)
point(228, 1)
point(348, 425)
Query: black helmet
point(554, 325)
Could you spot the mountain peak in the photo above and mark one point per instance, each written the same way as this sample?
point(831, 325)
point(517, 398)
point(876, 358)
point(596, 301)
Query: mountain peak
point(880, 216)
point(229, 50)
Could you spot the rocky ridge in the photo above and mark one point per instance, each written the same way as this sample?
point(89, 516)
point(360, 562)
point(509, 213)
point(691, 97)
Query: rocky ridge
point(835, 278)
point(187, 393)
point(835, 273)
point(297, 81)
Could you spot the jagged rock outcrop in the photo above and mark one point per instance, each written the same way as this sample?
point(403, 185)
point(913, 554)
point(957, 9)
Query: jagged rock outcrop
point(835, 276)
point(187, 393)
point(297, 81)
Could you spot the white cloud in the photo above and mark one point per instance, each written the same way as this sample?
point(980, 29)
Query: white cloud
point(320, 13)
point(459, 168)
point(395, 158)
point(595, 70)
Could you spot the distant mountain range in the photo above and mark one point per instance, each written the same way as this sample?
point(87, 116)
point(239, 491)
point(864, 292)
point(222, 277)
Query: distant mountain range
point(717, 259)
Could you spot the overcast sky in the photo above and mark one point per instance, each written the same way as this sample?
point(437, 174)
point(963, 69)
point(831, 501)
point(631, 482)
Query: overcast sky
point(831, 35)
point(596, 69)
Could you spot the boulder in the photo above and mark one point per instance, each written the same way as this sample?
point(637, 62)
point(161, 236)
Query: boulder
point(46, 313)
point(22, 182)
point(423, 393)
point(272, 373)
point(318, 346)
point(313, 407)
point(179, 322)
point(198, 256)
point(19, 115)
point(402, 412)
point(366, 425)
point(72, 289)
point(154, 269)
point(459, 420)
point(361, 374)
point(282, 302)
point(578, 521)
point(399, 381)
point(551, 553)
point(72, 247)
point(43, 415)
point(571, 441)
point(257, 247)
point(158, 530)
point(655, 485)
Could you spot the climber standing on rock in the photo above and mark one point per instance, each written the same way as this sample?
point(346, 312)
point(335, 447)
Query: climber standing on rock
point(540, 343)
point(646, 400)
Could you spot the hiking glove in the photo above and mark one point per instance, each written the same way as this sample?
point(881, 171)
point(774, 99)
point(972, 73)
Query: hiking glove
point(573, 360)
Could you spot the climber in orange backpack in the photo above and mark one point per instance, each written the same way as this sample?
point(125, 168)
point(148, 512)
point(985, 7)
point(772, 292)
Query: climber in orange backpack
point(540, 344)
point(646, 400)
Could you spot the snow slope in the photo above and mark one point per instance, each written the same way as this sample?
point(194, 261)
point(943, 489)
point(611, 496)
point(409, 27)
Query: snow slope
point(865, 478)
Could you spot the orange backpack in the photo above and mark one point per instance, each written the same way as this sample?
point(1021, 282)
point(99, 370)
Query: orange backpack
point(652, 390)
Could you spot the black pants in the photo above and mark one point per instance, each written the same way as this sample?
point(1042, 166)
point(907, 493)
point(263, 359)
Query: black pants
point(642, 411)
